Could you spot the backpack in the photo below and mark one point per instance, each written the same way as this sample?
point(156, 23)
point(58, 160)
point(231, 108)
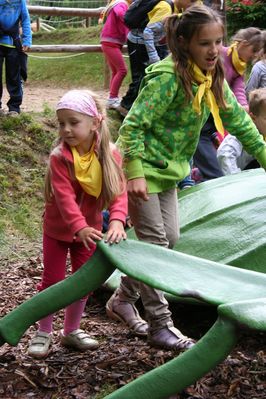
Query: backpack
point(136, 16)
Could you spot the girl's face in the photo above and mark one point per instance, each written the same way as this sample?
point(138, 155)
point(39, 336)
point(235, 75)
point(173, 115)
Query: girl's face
point(247, 52)
point(205, 46)
point(76, 129)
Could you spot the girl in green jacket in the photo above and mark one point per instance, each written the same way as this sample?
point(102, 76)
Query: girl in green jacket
point(159, 137)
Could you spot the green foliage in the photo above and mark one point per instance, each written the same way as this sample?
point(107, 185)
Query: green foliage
point(85, 70)
point(245, 13)
point(24, 148)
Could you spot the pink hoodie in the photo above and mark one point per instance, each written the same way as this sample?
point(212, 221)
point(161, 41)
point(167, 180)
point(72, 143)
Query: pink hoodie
point(70, 208)
point(114, 30)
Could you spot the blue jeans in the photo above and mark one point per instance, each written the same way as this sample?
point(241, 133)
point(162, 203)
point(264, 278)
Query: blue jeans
point(13, 78)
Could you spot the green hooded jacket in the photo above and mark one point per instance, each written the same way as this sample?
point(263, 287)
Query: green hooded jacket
point(161, 131)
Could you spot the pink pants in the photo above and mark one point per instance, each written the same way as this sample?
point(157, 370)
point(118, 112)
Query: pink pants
point(54, 260)
point(115, 60)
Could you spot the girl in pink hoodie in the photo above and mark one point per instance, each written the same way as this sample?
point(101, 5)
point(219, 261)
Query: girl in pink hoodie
point(113, 36)
point(84, 176)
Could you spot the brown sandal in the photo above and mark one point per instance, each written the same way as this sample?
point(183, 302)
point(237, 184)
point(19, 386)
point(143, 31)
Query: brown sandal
point(127, 313)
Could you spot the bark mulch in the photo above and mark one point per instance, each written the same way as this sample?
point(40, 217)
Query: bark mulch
point(121, 357)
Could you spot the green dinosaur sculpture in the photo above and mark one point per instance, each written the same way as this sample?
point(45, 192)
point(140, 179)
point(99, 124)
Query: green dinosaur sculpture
point(238, 294)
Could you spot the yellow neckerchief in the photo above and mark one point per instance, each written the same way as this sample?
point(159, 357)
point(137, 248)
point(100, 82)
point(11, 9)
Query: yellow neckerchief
point(239, 65)
point(88, 171)
point(204, 91)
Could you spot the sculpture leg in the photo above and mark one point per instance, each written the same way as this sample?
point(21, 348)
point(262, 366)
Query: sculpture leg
point(89, 277)
point(185, 369)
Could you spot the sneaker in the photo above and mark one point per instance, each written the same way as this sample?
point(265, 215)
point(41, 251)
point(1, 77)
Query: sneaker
point(2, 112)
point(113, 103)
point(170, 338)
point(39, 345)
point(78, 339)
point(12, 113)
point(127, 313)
point(123, 111)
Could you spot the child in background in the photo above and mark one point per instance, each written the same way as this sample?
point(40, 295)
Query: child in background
point(231, 156)
point(84, 176)
point(12, 50)
point(158, 138)
point(257, 77)
point(246, 44)
point(113, 36)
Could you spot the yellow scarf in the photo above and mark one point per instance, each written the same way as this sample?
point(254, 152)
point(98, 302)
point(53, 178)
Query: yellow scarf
point(204, 91)
point(88, 171)
point(239, 65)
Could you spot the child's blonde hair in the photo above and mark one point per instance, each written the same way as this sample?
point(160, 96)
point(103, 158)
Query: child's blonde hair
point(257, 99)
point(113, 181)
point(191, 21)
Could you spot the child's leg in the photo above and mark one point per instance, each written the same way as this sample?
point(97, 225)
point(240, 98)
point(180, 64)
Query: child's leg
point(117, 64)
point(156, 221)
point(54, 262)
point(72, 335)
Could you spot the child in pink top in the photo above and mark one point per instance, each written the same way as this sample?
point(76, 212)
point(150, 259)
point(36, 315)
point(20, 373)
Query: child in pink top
point(84, 175)
point(113, 36)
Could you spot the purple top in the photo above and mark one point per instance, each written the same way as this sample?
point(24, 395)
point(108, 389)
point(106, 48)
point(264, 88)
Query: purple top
point(235, 81)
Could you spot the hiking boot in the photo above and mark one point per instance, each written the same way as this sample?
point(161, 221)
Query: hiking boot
point(122, 110)
point(113, 103)
point(127, 313)
point(170, 338)
point(39, 345)
point(78, 339)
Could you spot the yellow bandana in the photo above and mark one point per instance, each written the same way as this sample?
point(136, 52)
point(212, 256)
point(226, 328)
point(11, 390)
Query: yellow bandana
point(204, 91)
point(239, 65)
point(88, 172)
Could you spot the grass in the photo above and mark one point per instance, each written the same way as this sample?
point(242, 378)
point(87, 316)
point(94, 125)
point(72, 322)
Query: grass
point(25, 142)
point(86, 70)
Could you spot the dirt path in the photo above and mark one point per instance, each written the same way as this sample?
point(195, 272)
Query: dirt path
point(36, 98)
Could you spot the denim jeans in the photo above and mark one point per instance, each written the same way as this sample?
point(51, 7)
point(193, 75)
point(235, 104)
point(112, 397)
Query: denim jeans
point(11, 58)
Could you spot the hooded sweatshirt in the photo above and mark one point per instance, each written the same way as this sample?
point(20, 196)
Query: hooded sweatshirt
point(10, 12)
point(161, 131)
point(257, 77)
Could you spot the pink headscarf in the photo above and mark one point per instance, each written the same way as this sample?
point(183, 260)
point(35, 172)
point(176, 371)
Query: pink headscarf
point(83, 102)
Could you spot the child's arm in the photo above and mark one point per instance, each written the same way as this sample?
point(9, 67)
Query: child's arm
point(26, 28)
point(118, 211)
point(228, 153)
point(238, 122)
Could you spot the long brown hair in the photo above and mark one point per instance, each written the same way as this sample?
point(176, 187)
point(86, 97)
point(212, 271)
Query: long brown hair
point(191, 21)
point(113, 181)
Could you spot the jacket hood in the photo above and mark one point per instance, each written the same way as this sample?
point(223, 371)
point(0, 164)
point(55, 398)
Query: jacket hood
point(166, 65)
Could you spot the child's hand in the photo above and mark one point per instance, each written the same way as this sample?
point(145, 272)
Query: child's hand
point(88, 235)
point(115, 232)
point(137, 188)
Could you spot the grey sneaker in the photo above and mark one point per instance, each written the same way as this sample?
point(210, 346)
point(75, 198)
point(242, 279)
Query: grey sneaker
point(78, 339)
point(113, 103)
point(170, 338)
point(39, 345)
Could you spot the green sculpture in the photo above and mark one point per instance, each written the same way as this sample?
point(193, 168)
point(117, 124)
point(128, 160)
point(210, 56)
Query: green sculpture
point(238, 294)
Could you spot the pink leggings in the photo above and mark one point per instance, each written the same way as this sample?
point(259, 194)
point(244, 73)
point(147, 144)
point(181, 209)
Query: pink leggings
point(114, 57)
point(54, 260)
